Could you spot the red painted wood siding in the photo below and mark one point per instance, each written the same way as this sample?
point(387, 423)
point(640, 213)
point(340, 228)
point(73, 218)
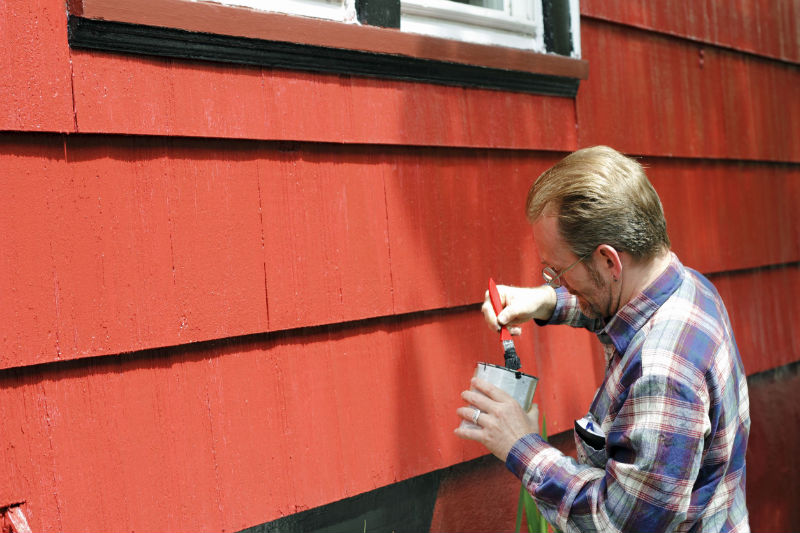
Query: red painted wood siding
point(36, 87)
point(230, 294)
point(680, 98)
point(761, 27)
point(142, 243)
point(145, 96)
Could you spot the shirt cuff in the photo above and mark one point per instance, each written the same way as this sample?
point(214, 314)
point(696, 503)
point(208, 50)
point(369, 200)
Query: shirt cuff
point(560, 311)
point(522, 455)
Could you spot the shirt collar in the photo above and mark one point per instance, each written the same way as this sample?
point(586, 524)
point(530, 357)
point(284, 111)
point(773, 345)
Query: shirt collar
point(635, 314)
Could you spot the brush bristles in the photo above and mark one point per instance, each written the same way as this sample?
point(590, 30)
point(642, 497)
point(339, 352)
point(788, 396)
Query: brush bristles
point(510, 354)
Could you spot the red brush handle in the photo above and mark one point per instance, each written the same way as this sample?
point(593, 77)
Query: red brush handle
point(494, 297)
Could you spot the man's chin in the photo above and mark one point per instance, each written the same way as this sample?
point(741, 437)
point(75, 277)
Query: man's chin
point(587, 309)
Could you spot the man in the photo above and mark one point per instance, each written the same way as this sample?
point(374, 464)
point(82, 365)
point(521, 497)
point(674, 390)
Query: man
point(662, 447)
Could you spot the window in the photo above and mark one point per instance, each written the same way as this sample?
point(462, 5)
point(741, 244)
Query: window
point(510, 23)
point(495, 44)
point(513, 23)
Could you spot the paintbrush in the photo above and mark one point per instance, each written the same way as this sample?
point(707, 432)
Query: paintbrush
point(509, 352)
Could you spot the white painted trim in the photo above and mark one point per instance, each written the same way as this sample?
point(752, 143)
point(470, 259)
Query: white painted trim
point(451, 20)
point(518, 24)
point(338, 10)
point(575, 27)
point(465, 14)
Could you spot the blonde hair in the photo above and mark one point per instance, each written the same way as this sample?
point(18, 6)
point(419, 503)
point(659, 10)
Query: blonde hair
point(601, 197)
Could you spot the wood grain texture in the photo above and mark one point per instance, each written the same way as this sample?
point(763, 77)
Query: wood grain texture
point(135, 95)
point(724, 216)
point(655, 95)
point(457, 218)
point(774, 400)
point(763, 307)
point(355, 222)
point(229, 436)
point(123, 244)
point(763, 27)
point(112, 249)
point(35, 88)
point(326, 239)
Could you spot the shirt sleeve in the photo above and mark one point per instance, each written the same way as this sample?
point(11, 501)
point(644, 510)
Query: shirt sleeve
point(654, 452)
point(567, 312)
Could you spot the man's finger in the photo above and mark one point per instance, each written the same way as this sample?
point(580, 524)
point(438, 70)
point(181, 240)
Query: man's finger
point(495, 393)
point(489, 316)
point(481, 401)
point(468, 433)
point(468, 413)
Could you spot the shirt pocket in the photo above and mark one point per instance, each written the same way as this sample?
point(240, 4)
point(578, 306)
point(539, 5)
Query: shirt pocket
point(593, 454)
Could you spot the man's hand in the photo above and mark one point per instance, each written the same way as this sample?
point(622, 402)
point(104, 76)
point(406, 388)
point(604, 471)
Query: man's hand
point(519, 305)
point(502, 421)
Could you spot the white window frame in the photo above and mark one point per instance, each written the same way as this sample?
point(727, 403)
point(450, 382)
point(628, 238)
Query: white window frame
point(519, 24)
point(337, 10)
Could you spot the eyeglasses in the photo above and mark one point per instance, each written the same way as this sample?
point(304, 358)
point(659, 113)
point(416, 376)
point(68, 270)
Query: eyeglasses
point(553, 278)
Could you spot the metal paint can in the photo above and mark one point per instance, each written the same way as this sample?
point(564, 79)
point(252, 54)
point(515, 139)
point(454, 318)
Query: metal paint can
point(519, 385)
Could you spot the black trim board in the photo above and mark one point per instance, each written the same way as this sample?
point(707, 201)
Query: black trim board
point(141, 39)
point(404, 506)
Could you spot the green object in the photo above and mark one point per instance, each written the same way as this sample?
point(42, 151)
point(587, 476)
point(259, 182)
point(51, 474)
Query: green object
point(534, 519)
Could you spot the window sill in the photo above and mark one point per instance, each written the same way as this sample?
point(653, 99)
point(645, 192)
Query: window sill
point(212, 32)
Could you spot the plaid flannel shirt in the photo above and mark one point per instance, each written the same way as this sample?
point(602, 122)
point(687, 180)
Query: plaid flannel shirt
point(674, 410)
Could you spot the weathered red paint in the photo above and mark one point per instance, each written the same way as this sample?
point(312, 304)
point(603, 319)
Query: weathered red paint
point(305, 236)
point(482, 492)
point(35, 88)
point(242, 432)
point(763, 307)
point(763, 27)
point(115, 249)
point(440, 224)
point(326, 240)
point(132, 95)
point(728, 215)
point(656, 95)
point(115, 244)
point(773, 484)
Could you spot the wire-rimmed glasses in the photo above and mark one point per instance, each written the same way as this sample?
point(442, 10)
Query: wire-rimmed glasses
point(553, 278)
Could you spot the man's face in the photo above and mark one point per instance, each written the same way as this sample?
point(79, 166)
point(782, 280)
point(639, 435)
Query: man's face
point(586, 283)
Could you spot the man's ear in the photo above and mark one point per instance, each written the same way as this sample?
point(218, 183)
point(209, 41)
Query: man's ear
point(611, 261)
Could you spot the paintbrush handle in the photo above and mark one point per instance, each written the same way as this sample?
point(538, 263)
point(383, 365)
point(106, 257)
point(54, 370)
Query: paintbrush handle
point(494, 297)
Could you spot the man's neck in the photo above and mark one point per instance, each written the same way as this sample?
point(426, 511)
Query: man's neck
point(638, 275)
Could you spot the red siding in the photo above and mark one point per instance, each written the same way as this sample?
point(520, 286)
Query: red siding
point(762, 27)
point(256, 292)
point(773, 486)
point(724, 215)
point(35, 88)
point(220, 437)
point(143, 243)
point(655, 95)
point(145, 96)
